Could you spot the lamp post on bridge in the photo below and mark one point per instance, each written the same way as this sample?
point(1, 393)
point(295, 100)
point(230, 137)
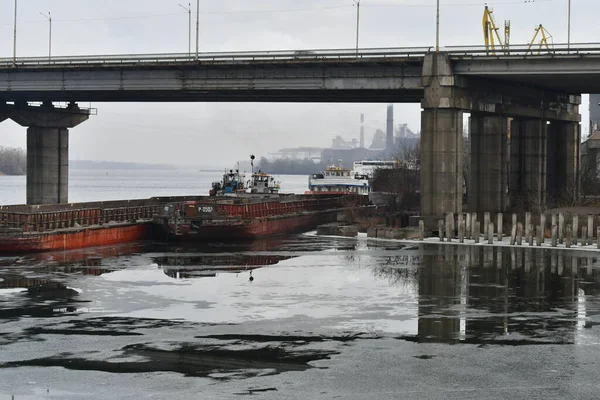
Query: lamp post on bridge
point(437, 26)
point(15, 36)
point(357, 2)
point(189, 11)
point(49, 18)
point(197, 24)
point(569, 28)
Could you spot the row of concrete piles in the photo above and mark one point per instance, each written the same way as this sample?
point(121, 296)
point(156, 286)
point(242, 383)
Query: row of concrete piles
point(569, 231)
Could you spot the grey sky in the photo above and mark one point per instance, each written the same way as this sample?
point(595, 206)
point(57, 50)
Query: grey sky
point(220, 133)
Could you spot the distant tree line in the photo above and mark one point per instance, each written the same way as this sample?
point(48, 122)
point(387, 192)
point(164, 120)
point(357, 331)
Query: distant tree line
point(13, 161)
point(286, 166)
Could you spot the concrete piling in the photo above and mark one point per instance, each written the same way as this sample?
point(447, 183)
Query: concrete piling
point(569, 236)
point(519, 234)
point(486, 223)
point(513, 235)
point(540, 235)
point(449, 227)
point(468, 225)
point(584, 235)
point(527, 224)
point(476, 228)
point(421, 230)
point(575, 228)
point(554, 234)
point(441, 230)
point(500, 216)
point(491, 233)
point(590, 229)
point(598, 236)
point(561, 228)
point(530, 235)
point(543, 224)
point(461, 231)
point(554, 221)
point(514, 220)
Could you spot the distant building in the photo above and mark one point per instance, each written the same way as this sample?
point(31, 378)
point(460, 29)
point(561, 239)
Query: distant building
point(594, 113)
point(340, 143)
point(590, 153)
point(379, 140)
point(298, 153)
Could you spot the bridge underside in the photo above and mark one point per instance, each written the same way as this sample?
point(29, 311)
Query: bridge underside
point(238, 95)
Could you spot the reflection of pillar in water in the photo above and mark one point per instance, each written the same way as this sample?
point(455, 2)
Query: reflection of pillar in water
point(513, 258)
point(439, 292)
point(561, 264)
point(528, 259)
point(589, 270)
point(499, 259)
point(553, 262)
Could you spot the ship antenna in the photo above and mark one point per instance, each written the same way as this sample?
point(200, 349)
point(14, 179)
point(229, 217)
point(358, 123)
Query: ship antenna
point(252, 162)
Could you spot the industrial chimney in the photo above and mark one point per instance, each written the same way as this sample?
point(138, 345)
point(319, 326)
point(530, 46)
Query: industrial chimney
point(389, 143)
point(362, 131)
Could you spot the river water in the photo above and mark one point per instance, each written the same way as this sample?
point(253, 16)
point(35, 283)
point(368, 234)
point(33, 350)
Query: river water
point(295, 317)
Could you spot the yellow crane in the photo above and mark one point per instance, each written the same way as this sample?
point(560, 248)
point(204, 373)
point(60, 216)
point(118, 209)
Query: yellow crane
point(544, 37)
point(491, 35)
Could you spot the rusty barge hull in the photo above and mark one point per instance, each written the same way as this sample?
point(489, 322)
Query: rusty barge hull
point(256, 227)
point(77, 238)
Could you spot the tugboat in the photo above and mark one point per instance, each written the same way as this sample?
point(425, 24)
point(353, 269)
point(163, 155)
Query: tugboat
point(231, 184)
point(338, 180)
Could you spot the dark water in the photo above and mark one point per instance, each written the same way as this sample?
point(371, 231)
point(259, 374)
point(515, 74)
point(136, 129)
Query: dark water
point(300, 317)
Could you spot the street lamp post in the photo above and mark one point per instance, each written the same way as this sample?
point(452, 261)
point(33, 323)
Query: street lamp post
point(49, 18)
point(357, 2)
point(15, 36)
point(189, 10)
point(437, 27)
point(197, 24)
point(569, 28)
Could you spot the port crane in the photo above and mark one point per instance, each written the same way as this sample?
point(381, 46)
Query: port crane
point(491, 35)
point(542, 39)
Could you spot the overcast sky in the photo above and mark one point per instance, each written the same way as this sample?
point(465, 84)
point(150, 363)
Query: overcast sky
point(220, 133)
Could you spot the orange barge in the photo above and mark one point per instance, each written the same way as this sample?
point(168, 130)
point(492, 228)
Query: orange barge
point(249, 217)
point(25, 228)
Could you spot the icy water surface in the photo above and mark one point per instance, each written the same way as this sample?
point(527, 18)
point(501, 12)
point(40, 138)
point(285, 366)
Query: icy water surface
point(300, 317)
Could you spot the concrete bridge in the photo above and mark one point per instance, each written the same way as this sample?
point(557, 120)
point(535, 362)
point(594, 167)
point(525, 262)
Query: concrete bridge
point(533, 95)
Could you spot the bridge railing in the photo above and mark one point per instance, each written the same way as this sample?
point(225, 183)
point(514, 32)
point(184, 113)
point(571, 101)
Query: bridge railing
point(526, 50)
point(520, 50)
point(405, 52)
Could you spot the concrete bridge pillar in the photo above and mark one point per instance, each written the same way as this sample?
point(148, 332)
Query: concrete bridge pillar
point(563, 161)
point(528, 161)
point(488, 180)
point(48, 149)
point(441, 138)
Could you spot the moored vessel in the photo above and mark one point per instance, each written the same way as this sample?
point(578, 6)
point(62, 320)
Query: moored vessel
point(338, 180)
point(251, 217)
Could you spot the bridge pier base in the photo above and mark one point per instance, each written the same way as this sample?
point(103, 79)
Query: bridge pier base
point(528, 162)
point(488, 180)
point(48, 149)
point(563, 162)
point(441, 161)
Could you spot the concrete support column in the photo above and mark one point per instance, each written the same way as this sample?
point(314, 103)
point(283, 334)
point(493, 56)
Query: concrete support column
point(528, 163)
point(488, 180)
point(441, 137)
point(441, 161)
point(563, 161)
point(47, 148)
point(47, 165)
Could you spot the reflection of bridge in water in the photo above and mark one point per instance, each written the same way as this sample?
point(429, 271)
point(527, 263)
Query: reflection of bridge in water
point(503, 295)
point(200, 266)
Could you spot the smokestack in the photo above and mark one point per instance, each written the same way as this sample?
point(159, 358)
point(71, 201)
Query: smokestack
point(362, 131)
point(389, 143)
